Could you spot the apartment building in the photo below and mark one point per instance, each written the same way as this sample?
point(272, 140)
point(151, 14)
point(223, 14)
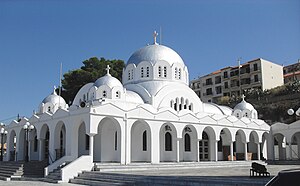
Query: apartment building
point(229, 81)
point(291, 72)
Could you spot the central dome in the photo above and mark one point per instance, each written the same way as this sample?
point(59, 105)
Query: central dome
point(154, 53)
point(109, 81)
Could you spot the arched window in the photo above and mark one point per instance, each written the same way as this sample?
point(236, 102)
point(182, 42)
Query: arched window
point(49, 109)
point(84, 98)
point(159, 71)
point(142, 72)
point(179, 73)
point(187, 143)
point(238, 115)
point(147, 72)
point(165, 72)
point(176, 73)
point(145, 140)
point(116, 140)
point(104, 94)
point(129, 75)
point(117, 94)
point(168, 141)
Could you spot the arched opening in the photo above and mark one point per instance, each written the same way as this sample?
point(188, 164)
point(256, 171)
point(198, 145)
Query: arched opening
point(188, 147)
point(33, 145)
point(60, 140)
point(239, 145)
point(140, 142)
point(21, 145)
point(253, 146)
point(12, 146)
point(264, 147)
point(204, 154)
point(279, 147)
point(83, 141)
point(187, 143)
point(44, 140)
point(168, 147)
point(107, 142)
point(294, 147)
point(224, 145)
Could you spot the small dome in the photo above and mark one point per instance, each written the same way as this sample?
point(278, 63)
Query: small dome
point(109, 81)
point(54, 99)
point(154, 53)
point(243, 105)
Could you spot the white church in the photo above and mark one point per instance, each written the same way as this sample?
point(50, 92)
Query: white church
point(152, 116)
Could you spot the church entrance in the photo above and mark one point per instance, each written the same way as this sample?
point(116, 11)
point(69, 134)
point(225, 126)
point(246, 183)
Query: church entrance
point(140, 142)
point(204, 147)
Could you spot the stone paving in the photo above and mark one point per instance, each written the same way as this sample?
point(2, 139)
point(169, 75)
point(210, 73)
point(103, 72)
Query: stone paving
point(220, 172)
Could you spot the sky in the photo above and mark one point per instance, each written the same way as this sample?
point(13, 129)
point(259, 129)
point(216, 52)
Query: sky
point(37, 35)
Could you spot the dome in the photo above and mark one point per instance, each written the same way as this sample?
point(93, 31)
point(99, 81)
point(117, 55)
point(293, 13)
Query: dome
point(154, 53)
point(54, 99)
point(243, 105)
point(109, 81)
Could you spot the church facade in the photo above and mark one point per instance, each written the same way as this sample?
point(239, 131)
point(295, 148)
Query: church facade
point(152, 116)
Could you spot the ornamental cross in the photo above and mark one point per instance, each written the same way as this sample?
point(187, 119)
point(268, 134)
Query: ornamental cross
point(155, 34)
point(107, 69)
point(243, 97)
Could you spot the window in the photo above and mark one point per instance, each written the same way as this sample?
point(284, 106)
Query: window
point(168, 141)
point(87, 142)
point(187, 143)
point(145, 140)
point(179, 73)
point(147, 72)
point(176, 73)
point(255, 67)
point(209, 91)
point(116, 141)
point(217, 79)
point(218, 90)
point(142, 72)
point(226, 85)
point(255, 78)
point(208, 81)
point(159, 71)
point(129, 76)
point(49, 109)
point(104, 94)
point(165, 72)
point(225, 74)
point(220, 145)
point(117, 94)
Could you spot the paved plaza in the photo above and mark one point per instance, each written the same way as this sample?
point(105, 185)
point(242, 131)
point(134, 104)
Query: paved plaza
point(214, 173)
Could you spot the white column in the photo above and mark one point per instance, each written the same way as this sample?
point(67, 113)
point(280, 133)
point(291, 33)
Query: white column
point(41, 149)
point(197, 150)
point(177, 149)
point(290, 151)
point(216, 150)
point(155, 145)
point(91, 150)
point(246, 152)
point(258, 151)
point(231, 151)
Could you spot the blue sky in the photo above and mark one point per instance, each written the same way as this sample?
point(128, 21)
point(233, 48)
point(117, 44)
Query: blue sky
point(37, 35)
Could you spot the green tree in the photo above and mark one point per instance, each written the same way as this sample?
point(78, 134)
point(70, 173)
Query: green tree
point(91, 70)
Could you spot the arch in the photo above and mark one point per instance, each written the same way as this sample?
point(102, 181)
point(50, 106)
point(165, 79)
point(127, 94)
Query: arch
point(189, 144)
point(253, 145)
point(279, 146)
point(44, 140)
point(224, 144)
point(12, 142)
point(83, 140)
point(294, 147)
point(264, 146)
point(107, 141)
point(239, 144)
point(168, 146)
point(140, 142)
point(21, 144)
point(59, 140)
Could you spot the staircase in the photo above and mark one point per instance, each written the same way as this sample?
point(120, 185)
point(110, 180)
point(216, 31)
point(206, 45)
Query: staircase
point(55, 175)
point(116, 174)
point(11, 170)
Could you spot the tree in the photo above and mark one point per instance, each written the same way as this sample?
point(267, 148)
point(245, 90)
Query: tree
point(91, 70)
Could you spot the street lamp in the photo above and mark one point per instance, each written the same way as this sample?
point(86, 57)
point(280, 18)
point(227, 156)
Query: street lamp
point(3, 132)
point(27, 127)
point(291, 112)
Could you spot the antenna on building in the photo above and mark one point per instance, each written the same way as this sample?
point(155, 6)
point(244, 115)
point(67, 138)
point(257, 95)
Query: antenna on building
point(160, 36)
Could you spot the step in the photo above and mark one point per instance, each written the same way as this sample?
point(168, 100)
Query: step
point(94, 183)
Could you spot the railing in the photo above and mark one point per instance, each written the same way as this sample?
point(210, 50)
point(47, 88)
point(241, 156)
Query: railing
point(50, 158)
point(83, 163)
point(57, 163)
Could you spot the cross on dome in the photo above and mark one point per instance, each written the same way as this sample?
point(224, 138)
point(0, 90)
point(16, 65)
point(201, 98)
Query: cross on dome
point(107, 70)
point(54, 92)
point(243, 97)
point(155, 34)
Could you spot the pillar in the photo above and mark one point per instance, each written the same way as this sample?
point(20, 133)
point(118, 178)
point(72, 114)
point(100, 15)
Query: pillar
point(216, 150)
point(41, 149)
point(258, 151)
point(197, 150)
point(231, 151)
point(246, 152)
point(155, 145)
point(177, 149)
point(91, 150)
